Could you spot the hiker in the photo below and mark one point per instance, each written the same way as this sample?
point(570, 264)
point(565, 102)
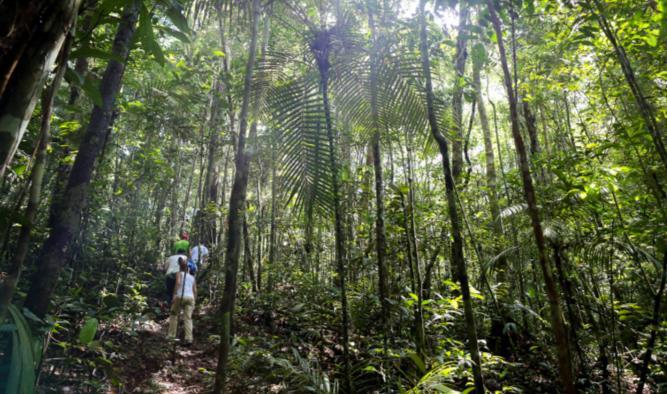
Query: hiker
point(198, 255)
point(183, 242)
point(185, 293)
point(171, 267)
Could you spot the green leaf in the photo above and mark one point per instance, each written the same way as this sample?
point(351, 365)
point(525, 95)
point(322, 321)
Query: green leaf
point(22, 374)
point(176, 17)
point(418, 361)
point(92, 90)
point(147, 37)
point(88, 52)
point(74, 78)
point(88, 331)
point(479, 53)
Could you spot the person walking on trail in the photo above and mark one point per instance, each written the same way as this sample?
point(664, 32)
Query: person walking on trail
point(183, 242)
point(184, 296)
point(198, 255)
point(171, 267)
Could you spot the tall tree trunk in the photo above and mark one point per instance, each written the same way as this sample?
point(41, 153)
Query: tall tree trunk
point(380, 233)
point(320, 49)
point(237, 201)
point(557, 322)
point(457, 97)
point(32, 37)
point(36, 181)
point(56, 248)
point(491, 178)
point(497, 322)
point(273, 229)
point(247, 255)
point(415, 263)
point(457, 245)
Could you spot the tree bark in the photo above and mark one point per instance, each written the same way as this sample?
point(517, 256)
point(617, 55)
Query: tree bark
point(380, 232)
point(57, 246)
point(457, 97)
point(320, 49)
point(457, 246)
point(557, 323)
point(36, 181)
point(237, 201)
point(32, 37)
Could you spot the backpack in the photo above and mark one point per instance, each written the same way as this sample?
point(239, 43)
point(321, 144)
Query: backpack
point(192, 267)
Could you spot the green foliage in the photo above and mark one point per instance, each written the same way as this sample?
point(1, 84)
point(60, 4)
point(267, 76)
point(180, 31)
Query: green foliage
point(20, 365)
point(88, 331)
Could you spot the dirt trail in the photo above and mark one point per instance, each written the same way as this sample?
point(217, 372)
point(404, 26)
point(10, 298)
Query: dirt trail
point(151, 363)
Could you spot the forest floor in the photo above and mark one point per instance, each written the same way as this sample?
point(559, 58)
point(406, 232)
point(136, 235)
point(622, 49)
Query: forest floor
point(153, 363)
point(271, 351)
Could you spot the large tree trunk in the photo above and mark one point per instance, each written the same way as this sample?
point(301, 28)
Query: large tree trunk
point(457, 97)
point(557, 323)
point(36, 181)
point(32, 34)
point(380, 233)
point(457, 245)
point(237, 203)
point(56, 248)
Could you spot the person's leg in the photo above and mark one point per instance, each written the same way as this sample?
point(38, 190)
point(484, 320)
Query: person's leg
point(173, 318)
point(170, 283)
point(188, 307)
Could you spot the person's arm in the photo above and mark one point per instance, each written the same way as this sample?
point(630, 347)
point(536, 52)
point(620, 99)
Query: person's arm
point(178, 284)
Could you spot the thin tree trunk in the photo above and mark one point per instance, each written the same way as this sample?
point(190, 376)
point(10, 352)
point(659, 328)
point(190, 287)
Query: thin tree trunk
point(57, 246)
point(644, 106)
point(557, 323)
point(237, 203)
point(655, 324)
point(414, 251)
point(31, 44)
point(457, 246)
point(380, 233)
point(272, 234)
point(249, 272)
point(457, 98)
point(320, 48)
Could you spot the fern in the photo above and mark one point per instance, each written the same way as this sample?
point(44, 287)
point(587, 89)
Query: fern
point(304, 375)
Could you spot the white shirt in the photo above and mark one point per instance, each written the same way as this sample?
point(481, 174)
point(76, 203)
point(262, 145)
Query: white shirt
point(194, 253)
point(186, 290)
point(172, 263)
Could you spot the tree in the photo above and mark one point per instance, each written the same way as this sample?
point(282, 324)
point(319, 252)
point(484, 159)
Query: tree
point(26, 57)
point(380, 232)
point(557, 323)
point(237, 203)
point(56, 248)
point(457, 246)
